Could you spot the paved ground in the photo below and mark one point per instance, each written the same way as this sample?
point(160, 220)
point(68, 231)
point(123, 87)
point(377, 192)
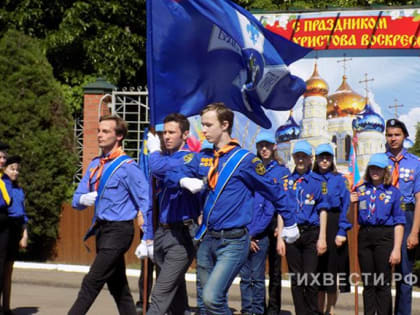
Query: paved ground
point(53, 292)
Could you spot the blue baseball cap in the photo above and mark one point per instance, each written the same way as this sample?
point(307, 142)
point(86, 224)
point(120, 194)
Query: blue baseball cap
point(324, 148)
point(265, 136)
point(302, 146)
point(379, 160)
point(159, 128)
point(206, 145)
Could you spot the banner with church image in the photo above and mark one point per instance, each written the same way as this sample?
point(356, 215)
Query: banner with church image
point(364, 66)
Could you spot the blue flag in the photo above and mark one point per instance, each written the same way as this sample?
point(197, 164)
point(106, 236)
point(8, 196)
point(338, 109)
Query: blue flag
point(202, 51)
point(144, 155)
point(353, 168)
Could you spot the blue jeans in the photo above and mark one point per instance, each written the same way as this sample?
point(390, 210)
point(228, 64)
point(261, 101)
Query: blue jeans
point(253, 280)
point(218, 262)
point(200, 304)
point(405, 268)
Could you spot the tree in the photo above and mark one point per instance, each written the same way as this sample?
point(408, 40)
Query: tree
point(415, 149)
point(37, 124)
point(85, 39)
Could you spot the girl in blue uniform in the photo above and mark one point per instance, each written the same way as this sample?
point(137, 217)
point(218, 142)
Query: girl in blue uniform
point(306, 194)
point(17, 220)
point(335, 260)
point(261, 231)
point(380, 236)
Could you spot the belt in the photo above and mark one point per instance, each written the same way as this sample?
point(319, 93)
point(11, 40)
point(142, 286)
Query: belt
point(179, 224)
point(106, 222)
point(307, 227)
point(407, 206)
point(231, 233)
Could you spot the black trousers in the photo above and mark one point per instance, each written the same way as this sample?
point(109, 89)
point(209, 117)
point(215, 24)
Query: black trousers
point(4, 245)
point(302, 260)
point(113, 239)
point(274, 271)
point(174, 252)
point(375, 246)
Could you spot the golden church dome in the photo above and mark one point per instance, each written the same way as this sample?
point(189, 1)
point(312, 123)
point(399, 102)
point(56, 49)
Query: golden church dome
point(344, 102)
point(316, 85)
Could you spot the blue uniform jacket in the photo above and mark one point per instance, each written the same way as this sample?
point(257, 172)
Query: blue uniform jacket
point(17, 207)
point(234, 207)
point(307, 198)
point(125, 193)
point(5, 191)
point(264, 209)
point(409, 181)
point(148, 233)
point(338, 197)
point(175, 204)
point(387, 209)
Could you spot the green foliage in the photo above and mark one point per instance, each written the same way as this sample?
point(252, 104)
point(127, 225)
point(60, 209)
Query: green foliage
point(85, 39)
point(415, 149)
point(37, 124)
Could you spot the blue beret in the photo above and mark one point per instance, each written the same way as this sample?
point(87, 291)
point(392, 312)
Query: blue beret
point(379, 160)
point(395, 123)
point(302, 146)
point(265, 136)
point(324, 148)
point(159, 128)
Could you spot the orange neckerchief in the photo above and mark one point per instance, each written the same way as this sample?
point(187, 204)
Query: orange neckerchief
point(100, 168)
point(213, 174)
point(396, 171)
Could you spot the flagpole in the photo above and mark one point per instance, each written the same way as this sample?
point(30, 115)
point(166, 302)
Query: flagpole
point(145, 281)
point(354, 208)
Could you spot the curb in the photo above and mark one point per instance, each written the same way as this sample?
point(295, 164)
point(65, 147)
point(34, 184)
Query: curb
point(191, 277)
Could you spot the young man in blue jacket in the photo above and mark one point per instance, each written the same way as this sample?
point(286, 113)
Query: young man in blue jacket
point(235, 174)
point(178, 212)
point(405, 170)
point(116, 186)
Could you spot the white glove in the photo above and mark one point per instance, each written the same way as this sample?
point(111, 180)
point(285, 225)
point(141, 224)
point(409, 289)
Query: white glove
point(192, 184)
point(290, 233)
point(141, 250)
point(153, 143)
point(150, 250)
point(88, 199)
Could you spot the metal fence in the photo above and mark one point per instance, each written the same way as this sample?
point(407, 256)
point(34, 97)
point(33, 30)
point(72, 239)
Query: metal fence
point(131, 105)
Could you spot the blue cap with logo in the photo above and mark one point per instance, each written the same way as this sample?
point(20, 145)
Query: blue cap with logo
point(324, 148)
point(302, 146)
point(379, 160)
point(265, 136)
point(159, 128)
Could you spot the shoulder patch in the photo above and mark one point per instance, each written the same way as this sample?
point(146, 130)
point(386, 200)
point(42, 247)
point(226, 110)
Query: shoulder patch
point(256, 159)
point(324, 188)
point(188, 158)
point(260, 169)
